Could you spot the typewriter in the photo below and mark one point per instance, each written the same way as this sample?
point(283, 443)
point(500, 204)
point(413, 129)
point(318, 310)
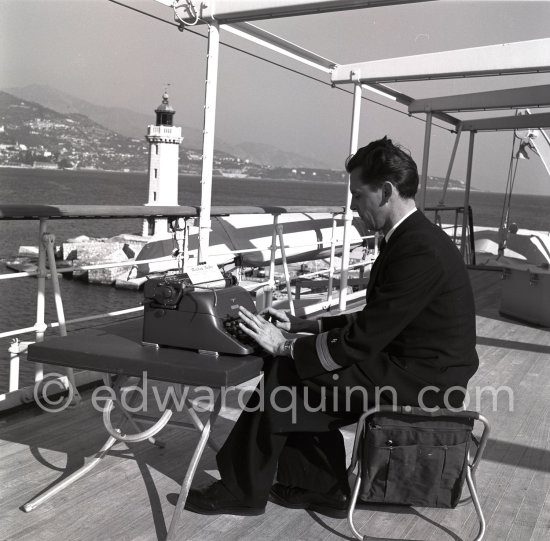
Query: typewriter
point(179, 314)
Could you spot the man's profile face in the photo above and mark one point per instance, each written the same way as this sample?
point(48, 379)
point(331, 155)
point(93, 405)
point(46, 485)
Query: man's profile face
point(367, 201)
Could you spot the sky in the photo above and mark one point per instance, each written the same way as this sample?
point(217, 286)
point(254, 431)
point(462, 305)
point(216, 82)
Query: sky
point(112, 56)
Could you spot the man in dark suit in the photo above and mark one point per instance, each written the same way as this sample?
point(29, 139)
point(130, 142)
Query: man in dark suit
point(413, 343)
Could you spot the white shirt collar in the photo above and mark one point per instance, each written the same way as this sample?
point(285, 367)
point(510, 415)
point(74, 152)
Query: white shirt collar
point(390, 232)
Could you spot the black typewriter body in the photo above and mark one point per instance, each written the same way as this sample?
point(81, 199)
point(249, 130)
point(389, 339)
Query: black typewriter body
point(180, 315)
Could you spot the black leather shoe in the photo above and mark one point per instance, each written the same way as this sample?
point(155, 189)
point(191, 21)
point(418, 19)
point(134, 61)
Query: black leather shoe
point(215, 499)
point(332, 505)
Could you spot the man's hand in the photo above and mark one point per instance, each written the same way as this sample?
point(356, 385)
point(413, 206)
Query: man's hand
point(279, 318)
point(287, 322)
point(262, 331)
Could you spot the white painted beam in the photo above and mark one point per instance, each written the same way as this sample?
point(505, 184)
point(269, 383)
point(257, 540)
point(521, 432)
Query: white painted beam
point(407, 100)
point(517, 122)
point(209, 128)
point(348, 215)
point(275, 43)
point(531, 56)
point(231, 11)
point(510, 98)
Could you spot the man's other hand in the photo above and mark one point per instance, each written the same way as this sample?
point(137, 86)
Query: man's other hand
point(279, 318)
point(262, 331)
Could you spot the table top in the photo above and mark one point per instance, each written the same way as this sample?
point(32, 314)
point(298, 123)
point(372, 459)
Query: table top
point(117, 349)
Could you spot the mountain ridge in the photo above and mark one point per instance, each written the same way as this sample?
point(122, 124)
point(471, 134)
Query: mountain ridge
point(133, 124)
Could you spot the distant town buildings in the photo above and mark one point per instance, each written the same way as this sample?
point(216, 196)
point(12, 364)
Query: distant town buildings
point(34, 136)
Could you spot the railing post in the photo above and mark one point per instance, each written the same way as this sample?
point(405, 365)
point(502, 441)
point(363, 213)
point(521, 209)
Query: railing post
point(285, 269)
point(40, 325)
point(14, 365)
point(332, 254)
point(189, 222)
point(271, 286)
point(48, 240)
point(178, 227)
point(472, 236)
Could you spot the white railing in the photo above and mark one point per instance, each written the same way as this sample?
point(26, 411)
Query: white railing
point(171, 131)
point(17, 395)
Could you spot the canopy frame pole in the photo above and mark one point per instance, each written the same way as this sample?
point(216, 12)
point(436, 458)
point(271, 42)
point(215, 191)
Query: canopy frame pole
point(208, 139)
point(425, 160)
point(451, 163)
point(348, 215)
point(465, 216)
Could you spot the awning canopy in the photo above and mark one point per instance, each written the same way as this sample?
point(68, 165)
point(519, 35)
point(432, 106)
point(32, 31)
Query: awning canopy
point(532, 56)
point(510, 98)
point(516, 122)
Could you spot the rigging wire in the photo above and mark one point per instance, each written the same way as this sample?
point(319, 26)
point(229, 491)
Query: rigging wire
point(144, 13)
point(504, 228)
point(272, 62)
point(509, 186)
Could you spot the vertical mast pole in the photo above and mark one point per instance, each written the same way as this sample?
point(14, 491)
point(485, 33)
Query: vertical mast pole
point(208, 139)
point(425, 159)
point(356, 116)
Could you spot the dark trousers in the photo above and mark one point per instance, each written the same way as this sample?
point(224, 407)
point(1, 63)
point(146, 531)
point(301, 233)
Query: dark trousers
point(280, 433)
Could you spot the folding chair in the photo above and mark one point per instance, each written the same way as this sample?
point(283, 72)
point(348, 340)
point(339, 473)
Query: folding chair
point(410, 456)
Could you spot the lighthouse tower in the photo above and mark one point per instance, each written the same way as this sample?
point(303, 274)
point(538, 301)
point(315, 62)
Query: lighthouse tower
point(164, 141)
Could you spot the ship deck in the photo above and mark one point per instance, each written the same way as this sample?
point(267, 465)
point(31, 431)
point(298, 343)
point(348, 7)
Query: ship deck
point(131, 494)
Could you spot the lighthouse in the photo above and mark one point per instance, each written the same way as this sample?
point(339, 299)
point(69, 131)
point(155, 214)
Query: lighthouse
point(164, 141)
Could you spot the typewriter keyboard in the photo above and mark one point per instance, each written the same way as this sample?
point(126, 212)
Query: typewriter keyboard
point(231, 326)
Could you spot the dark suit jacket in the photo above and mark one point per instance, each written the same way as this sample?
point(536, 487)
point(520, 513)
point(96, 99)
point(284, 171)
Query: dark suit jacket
point(418, 326)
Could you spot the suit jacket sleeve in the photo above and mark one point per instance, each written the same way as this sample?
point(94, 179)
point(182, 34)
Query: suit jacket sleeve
point(408, 279)
point(336, 322)
point(322, 324)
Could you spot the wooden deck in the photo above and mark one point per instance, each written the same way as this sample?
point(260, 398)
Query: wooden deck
point(131, 495)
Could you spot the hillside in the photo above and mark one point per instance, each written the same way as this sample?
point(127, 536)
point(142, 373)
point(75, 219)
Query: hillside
point(38, 136)
point(32, 133)
point(133, 124)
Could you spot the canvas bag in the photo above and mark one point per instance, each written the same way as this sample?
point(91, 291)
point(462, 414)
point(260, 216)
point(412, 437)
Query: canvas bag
point(414, 460)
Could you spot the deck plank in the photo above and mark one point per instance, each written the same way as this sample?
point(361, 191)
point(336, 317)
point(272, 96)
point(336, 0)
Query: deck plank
point(542, 526)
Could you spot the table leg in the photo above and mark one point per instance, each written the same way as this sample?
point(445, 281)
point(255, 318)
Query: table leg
point(39, 500)
point(198, 423)
point(186, 484)
point(139, 429)
point(155, 441)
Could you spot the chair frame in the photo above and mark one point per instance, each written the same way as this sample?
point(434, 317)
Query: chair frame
point(471, 465)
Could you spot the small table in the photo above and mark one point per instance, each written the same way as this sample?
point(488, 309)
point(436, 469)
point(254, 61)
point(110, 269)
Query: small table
point(117, 350)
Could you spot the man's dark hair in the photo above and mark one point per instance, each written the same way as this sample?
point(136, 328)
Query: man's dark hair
point(381, 160)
